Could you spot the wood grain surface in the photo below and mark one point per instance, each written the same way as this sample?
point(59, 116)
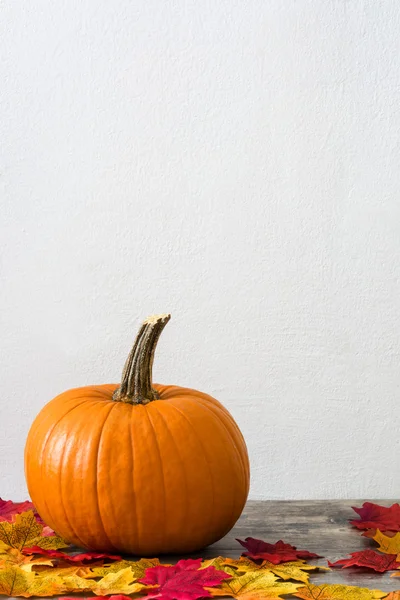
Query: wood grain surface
point(320, 526)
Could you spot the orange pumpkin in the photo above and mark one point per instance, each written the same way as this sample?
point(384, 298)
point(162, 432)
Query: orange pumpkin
point(140, 468)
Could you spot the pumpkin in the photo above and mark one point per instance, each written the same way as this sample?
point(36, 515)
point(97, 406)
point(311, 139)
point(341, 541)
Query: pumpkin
point(137, 468)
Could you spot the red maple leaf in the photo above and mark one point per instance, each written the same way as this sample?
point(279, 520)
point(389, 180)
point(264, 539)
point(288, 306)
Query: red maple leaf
point(183, 581)
point(75, 558)
point(8, 509)
point(113, 597)
point(369, 559)
point(374, 516)
point(275, 553)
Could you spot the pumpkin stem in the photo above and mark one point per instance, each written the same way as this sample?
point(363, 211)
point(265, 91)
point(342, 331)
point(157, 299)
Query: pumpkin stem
point(136, 385)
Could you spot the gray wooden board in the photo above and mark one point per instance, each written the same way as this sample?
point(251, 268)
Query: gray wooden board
point(320, 526)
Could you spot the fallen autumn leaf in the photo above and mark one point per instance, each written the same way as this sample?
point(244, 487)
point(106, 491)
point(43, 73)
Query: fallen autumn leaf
point(183, 581)
point(274, 553)
point(374, 516)
point(369, 559)
point(25, 531)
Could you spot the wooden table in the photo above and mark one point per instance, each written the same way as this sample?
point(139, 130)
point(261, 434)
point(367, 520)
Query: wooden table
point(319, 526)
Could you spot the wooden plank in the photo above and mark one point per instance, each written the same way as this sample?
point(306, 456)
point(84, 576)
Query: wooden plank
point(319, 526)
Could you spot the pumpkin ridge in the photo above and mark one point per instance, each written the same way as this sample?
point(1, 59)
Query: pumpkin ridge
point(92, 388)
point(103, 391)
point(209, 406)
point(49, 435)
point(133, 505)
point(164, 494)
point(97, 477)
point(60, 480)
point(89, 404)
point(220, 422)
point(177, 454)
point(233, 442)
point(212, 504)
point(214, 404)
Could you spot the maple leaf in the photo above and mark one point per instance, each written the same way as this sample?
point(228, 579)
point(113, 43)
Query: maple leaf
point(289, 570)
point(121, 582)
point(388, 544)
point(369, 559)
point(15, 582)
point(254, 585)
point(393, 596)
point(69, 583)
point(80, 570)
point(337, 592)
point(374, 516)
point(137, 567)
point(113, 597)
point(183, 581)
point(369, 533)
point(47, 531)
point(242, 564)
point(73, 558)
point(8, 509)
point(221, 564)
point(274, 553)
point(26, 531)
point(12, 556)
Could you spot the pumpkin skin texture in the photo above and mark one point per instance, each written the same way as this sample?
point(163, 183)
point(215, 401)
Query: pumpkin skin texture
point(170, 475)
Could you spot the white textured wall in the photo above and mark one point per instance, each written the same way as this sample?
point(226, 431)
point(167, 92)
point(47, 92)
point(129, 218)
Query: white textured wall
point(236, 163)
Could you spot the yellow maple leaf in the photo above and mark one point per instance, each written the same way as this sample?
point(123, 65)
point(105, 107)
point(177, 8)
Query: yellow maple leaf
point(220, 563)
point(121, 582)
point(81, 570)
point(290, 570)
point(70, 583)
point(293, 570)
point(388, 545)
point(242, 564)
point(16, 582)
point(254, 585)
point(138, 567)
point(25, 531)
point(337, 592)
point(11, 556)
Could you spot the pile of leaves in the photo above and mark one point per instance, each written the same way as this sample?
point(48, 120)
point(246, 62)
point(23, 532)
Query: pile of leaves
point(34, 561)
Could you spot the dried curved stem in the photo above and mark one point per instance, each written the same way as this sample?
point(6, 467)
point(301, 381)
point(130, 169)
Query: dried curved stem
point(136, 385)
